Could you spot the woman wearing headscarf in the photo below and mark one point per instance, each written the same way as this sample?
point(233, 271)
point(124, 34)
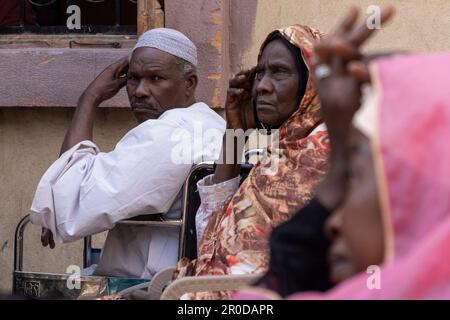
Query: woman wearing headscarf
point(409, 107)
point(390, 237)
point(239, 219)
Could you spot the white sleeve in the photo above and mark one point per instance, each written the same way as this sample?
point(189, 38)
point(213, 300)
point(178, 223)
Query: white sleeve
point(86, 191)
point(213, 199)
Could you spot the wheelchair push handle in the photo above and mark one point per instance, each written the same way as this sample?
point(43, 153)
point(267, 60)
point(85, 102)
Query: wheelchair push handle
point(18, 243)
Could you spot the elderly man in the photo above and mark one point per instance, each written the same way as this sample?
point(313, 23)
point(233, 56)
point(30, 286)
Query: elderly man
point(87, 191)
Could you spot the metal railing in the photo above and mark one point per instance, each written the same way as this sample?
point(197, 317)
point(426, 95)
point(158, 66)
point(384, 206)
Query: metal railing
point(116, 28)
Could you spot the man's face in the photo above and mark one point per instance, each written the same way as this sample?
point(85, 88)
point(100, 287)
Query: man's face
point(356, 228)
point(155, 84)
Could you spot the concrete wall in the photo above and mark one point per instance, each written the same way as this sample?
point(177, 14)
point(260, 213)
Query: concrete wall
point(228, 34)
point(419, 25)
point(30, 139)
point(54, 77)
point(206, 23)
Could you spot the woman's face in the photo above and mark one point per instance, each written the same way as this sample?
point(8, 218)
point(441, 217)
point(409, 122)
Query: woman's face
point(356, 227)
point(276, 84)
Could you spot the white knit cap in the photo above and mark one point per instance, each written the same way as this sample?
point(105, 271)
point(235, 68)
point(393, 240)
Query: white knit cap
point(170, 41)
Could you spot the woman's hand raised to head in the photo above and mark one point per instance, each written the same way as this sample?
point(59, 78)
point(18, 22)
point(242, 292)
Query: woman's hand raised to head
point(239, 113)
point(238, 106)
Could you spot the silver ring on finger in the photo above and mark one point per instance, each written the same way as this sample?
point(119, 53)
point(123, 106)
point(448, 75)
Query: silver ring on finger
point(322, 71)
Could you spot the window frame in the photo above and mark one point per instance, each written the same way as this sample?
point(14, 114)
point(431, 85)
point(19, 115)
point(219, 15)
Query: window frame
point(149, 13)
point(44, 57)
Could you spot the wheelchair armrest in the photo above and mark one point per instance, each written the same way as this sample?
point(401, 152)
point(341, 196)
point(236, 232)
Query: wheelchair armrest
point(208, 284)
point(148, 217)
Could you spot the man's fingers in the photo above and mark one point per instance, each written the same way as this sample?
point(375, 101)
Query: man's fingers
point(121, 67)
point(122, 81)
point(233, 94)
point(347, 23)
point(122, 72)
point(51, 241)
point(360, 71)
point(361, 33)
point(45, 237)
point(44, 241)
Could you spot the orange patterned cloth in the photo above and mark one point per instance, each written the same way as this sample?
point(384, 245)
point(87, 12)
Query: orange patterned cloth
point(236, 239)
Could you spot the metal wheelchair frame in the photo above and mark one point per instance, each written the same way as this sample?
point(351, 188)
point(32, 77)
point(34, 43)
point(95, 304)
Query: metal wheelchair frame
point(30, 283)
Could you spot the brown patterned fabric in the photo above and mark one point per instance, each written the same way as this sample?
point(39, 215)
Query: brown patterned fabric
point(236, 239)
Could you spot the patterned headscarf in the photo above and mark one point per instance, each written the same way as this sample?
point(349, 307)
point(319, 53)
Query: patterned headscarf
point(236, 239)
point(408, 122)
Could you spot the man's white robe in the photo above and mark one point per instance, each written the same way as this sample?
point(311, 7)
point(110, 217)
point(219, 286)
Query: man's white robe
point(87, 191)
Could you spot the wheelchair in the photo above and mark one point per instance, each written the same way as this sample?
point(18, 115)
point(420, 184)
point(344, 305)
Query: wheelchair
point(54, 286)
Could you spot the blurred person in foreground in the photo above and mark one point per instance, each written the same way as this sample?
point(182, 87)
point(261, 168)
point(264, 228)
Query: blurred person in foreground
point(387, 216)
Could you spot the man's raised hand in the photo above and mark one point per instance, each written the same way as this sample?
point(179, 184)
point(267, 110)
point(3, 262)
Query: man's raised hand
point(109, 82)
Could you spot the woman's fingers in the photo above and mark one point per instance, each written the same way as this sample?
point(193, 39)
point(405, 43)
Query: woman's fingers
point(244, 73)
point(348, 38)
point(243, 79)
point(237, 81)
point(234, 108)
point(348, 22)
point(326, 52)
point(346, 51)
point(323, 51)
point(252, 75)
point(360, 71)
point(361, 33)
point(233, 95)
point(337, 65)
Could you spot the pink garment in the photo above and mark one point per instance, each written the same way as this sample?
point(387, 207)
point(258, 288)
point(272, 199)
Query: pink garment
point(412, 149)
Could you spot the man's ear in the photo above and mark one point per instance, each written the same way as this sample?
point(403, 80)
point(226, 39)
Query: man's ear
point(191, 84)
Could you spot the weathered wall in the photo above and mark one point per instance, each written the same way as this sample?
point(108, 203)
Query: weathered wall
point(30, 139)
point(206, 24)
point(228, 34)
point(54, 77)
point(419, 25)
